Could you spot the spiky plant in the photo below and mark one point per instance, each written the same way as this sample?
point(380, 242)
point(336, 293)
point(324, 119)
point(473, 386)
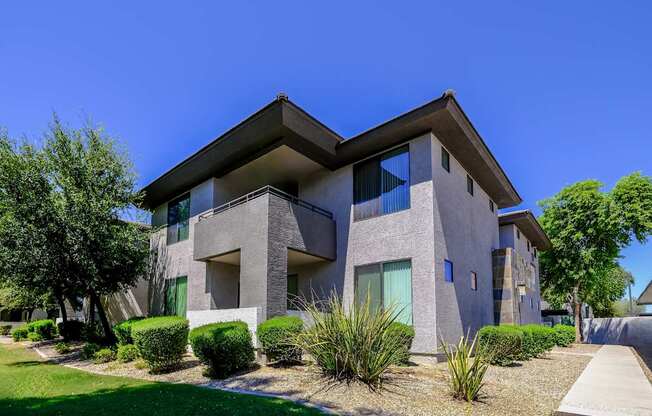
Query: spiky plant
point(352, 343)
point(466, 373)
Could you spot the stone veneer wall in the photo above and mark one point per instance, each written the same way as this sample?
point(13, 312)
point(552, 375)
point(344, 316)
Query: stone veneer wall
point(509, 269)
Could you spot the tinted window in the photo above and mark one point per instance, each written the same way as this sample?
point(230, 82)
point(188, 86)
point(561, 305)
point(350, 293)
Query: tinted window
point(491, 205)
point(474, 281)
point(469, 184)
point(448, 270)
point(445, 160)
point(386, 285)
point(381, 185)
point(178, 219)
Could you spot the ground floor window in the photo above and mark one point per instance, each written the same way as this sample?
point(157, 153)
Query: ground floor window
point(176, 296)
point(293, 291)
point(386, 284)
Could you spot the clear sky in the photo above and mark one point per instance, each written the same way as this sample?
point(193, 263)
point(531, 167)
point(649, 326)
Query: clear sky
point(560, 91)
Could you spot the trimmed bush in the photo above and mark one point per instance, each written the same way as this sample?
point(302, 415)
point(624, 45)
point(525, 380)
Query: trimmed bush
point(122, 330)
point(104, 355)
point(5, 329)
point(539, 339)
point(71, 331)
point(224, 347)
point(127, 352)
point(62, 348)
point(278, 338)
point(406, 334)
point(45, 328)
point(500, 344)
point(34, 337)
point(19, 333)
point(89, 349)
point(161, 341)
point(564, 335)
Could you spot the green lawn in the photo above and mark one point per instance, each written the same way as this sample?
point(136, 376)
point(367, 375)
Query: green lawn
point(29, 386)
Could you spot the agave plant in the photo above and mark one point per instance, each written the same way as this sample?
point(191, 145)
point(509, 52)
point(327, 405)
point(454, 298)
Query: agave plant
point(352, 343)
point(466, 373)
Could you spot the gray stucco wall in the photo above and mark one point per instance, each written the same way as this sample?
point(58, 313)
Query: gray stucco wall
point(466, 232)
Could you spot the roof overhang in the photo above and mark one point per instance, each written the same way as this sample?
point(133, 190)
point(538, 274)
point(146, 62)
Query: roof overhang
point(646, 296)
point(529, 226)
point(277, 124)
point(446, 120)
point(283, 123)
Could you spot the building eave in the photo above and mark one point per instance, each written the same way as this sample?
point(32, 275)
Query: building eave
point(529, 226)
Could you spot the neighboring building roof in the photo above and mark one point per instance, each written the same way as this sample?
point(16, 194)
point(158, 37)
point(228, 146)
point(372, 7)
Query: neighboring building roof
point(281, 122)
point(646, 296)
point(529, 226)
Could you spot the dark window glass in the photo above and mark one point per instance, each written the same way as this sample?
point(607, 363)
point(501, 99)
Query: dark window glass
point(178, 219)
point(528, 246)
point(531, 304)
point(293, 291)
point(474, 281)
point(518, 235)
point(448, 270)
point(534, 252)
point(491, 205)
point(386, 284)
point(469, 184)
point(445, 160)
point(382, 185)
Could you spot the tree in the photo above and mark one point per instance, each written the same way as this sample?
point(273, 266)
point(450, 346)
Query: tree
point(603, 296)
point(60, 217)
point(588, 228)
point(13, 297)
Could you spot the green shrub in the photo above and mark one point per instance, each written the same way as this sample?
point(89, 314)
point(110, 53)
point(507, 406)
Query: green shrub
point(465, 373)
point(5, 329)
point(93, 332)
point(34, 336)
point(224, 347)
point(122, 330)
point(45, 328)
point(278, 338)
point(564, 335)
point(538, 339)
point(127, 352)
point(500, 344)
point(352, 343)
point(62, 348)
point(71, 331)
point(89, 349)
point(104, 355)
point(406, 334)
point(161, 341)
point(19, 333)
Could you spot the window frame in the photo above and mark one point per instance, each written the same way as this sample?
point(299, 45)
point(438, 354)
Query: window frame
point(445, 159)
point(380, 265)
point(492, 206)
point(379, 158)
point(172, 203)
point(469, 185)
point(168, 282)
point(452, 277)
point(474, 281)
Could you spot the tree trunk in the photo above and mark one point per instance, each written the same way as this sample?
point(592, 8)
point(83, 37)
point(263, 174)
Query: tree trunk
point(108, 332)
point(91, 311)
point(577, 309)
point(62, 309)
point(29, 315)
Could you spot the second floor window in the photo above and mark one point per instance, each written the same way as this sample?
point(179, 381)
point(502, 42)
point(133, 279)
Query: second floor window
point(178, 219)
point(381, 185)
point(469, 184)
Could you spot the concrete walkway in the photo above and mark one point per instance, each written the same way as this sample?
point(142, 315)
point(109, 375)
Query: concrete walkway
point(613, 384)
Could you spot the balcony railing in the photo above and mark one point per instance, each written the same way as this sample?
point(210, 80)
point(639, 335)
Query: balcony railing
point(260, 192)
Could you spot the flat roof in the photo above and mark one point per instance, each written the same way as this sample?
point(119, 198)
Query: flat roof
point(282, 122)
point(529, 226)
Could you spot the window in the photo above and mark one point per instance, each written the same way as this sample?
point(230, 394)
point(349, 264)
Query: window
point(531, 304)
point(293, 291)
point(382, 185)
point(518, 235)
point(386, 284)
point(534, 252)
point(491, 206)
point(176, 296)
point(178, 219)
point(528, 245)
point(445, 160)
point(474, 281)
point(469, 184)
point(448, 270)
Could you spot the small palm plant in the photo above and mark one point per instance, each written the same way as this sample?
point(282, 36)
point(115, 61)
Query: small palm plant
point(465, 371)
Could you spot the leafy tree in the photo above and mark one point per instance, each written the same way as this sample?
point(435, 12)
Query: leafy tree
point(620, 308)
point(13, 297)
point(588, 228)
point(613, 284)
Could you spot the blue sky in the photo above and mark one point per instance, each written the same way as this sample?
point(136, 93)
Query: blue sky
point(560, 91)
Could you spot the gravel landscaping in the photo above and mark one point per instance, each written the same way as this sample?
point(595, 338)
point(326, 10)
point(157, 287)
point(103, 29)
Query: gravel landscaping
point(534, 387)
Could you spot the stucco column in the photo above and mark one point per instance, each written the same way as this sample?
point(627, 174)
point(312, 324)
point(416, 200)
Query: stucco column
point(253, 275)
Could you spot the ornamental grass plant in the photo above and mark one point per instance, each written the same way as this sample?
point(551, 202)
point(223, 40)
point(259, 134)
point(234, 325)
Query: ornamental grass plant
point(465, 371)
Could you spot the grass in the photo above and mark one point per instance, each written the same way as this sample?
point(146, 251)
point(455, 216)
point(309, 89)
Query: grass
point(29, 386)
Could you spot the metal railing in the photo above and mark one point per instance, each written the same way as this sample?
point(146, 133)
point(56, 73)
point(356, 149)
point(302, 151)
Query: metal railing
point(260, 192)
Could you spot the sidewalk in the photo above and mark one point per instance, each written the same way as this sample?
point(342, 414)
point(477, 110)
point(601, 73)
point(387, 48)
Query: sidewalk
point(613, 384)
